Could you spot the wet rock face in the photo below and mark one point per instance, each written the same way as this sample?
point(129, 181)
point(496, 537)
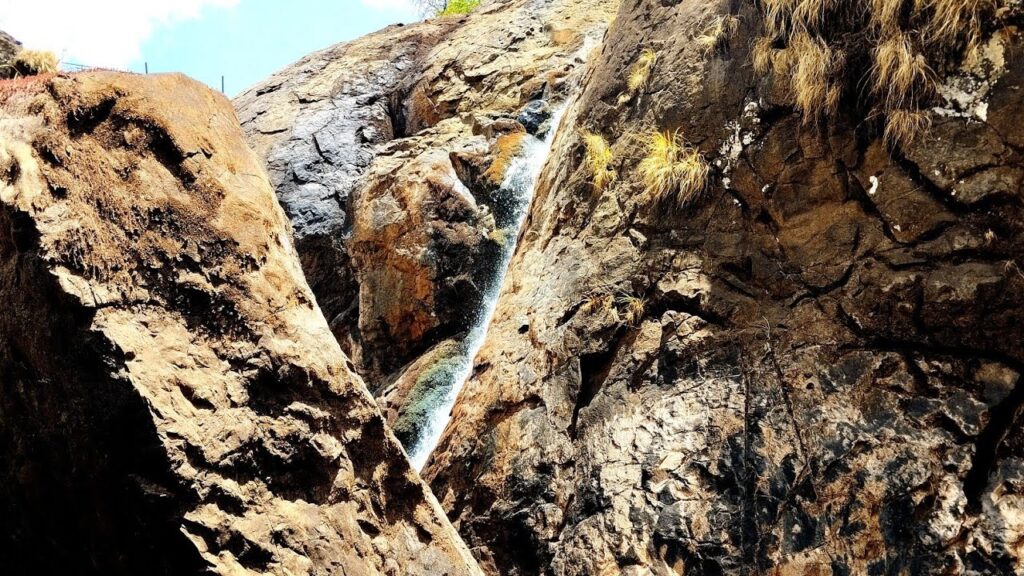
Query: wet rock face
point(422, 245)
point(171, 398)
point(381, 151)
point(825, 375)
point(534, 116)
point(317, 124)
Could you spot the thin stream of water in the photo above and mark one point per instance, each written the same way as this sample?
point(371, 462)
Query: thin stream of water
point(518, 187)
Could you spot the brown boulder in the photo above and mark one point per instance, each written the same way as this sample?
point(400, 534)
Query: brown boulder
point(172, 399)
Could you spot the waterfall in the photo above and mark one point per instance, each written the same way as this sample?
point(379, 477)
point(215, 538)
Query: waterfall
point(517, 191)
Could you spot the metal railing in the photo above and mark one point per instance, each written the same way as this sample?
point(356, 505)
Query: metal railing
point(76, 67)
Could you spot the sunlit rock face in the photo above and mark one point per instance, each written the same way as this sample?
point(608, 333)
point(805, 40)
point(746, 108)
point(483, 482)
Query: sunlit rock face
point(172, 400)
point(388, 153)
point(824, 376)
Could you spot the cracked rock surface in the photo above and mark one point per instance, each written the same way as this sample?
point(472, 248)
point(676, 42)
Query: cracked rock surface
point(825, 377)
point(172, 400)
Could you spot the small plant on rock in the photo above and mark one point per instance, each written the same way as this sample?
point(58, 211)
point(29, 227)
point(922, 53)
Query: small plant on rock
point(456, 7)
point(673, 168)
point(632, 309)
point(623, 308)
point(599, 302)
point(598, 160)
point(718, 33)
point(903, 126)
point(639, 74)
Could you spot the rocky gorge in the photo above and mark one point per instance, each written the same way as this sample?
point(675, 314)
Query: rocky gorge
point(675, 287)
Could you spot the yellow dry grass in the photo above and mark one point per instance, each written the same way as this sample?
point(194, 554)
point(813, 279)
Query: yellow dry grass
point(823, 49)
point(33, 62)
point(885, 14)
point(673, 168)
point(903, 126)
point(600, 302)
point(598, 160)
point(713, 39)
point(763, 55)
point(639, 74)
point(777, 15)
point(955, 21)
point(631, 309)
point(617, 305)
point(814, 14)
point(901, 75)
point(816, 76)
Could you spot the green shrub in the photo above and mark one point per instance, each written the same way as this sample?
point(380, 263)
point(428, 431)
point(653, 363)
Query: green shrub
point(454, 7)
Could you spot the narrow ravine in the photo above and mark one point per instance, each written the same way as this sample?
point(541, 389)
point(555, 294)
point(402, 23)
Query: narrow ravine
point(517, 192)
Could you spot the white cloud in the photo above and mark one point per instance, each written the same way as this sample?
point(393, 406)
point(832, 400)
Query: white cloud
point(106, 33)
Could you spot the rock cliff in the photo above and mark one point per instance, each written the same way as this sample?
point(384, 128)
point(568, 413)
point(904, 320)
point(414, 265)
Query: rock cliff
point(386, 153)
point(765, 315)
point(172, 400)
point(813, 366)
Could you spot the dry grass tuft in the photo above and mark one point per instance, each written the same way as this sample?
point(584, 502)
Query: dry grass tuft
point(718, 33)
point(673, 168)
point(34, 62)
point(639, 74)
point(600, 302)
point(631, 309)
point(823, 49)
point(903, 126)
point(956, 22)
point(885, 14)
point(618, 305)
point(764, 55)
point(598, 160)
point(777, 15)
point(901, 75)
point(816, 76)
point(814, 14)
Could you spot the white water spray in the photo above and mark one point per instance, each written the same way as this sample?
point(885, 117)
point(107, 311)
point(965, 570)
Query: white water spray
point(518, 188)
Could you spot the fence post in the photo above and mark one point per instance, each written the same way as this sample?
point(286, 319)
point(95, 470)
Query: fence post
point(222, 85)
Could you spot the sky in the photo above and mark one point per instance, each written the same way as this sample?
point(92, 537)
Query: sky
point(243, 40)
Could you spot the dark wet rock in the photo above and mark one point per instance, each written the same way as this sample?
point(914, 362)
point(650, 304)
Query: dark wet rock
point(534, 116)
